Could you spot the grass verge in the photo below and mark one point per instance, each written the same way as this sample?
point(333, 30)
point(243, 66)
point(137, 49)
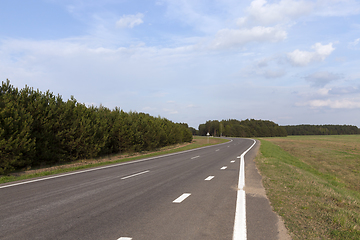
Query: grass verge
point(197, 142)
point(313, 182)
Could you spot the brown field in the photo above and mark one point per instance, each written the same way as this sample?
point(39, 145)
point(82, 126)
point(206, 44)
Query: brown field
point(313, 182)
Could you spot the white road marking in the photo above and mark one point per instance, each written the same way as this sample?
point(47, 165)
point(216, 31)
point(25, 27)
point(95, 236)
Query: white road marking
point(109, 166)
point(133, 175)
point(182, 198)
point(217, 150)
point(240, 232)
point(223, 168)
point(209, 178)
point(195, 157)
point(125, 238)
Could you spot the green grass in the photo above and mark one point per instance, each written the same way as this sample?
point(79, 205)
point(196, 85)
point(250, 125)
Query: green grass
point(197, 143)
point(313, 183)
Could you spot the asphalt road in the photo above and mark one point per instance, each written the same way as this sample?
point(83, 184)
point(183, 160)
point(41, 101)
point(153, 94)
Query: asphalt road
point(189, 195)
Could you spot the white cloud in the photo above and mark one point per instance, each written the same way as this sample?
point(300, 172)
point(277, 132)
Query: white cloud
point(274, 73)
point(229, 38)
point(170, 111)
point(303, 58)
point(130, 21)
point(263, 63)
point(336, 104)
point(196, 14)
point(280, 12)
point(191, 106)
point(345, 90)
point(55, 64)
point(260, 11)
point(241, 21)
point(356, 42)
point(148, 109)
point(323, 91)
point(320, 79)
point(353, 45)
point(337, 7)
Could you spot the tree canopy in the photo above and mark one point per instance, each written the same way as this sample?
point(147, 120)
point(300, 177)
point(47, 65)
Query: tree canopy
point(39, 128)
point(265, 128)
point(321, 129)
point(245, 128)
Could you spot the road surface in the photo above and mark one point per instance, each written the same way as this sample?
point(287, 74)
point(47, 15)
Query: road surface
point(188, 195)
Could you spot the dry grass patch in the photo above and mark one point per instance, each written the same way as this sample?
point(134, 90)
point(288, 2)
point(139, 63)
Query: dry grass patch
point(337, 156)
point(312, 183)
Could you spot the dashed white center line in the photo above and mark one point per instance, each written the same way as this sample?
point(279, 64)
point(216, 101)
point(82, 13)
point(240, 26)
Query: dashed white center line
point(223, 168)
point(133, 175)
point(232, 161)
point(125, 238)
point(195, 157)
point(217, 150)
point(209, 178)
point(182, 198)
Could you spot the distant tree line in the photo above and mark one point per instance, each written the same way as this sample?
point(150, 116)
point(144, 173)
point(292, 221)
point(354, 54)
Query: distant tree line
point(244, 128)
point(321, 129)
point(265, 128)
point(39, 128)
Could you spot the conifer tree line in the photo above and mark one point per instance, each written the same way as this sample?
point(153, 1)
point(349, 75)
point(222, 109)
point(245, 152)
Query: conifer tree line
point(245, 128)
point(39, 128)
point(265, 128)
point(321, 129)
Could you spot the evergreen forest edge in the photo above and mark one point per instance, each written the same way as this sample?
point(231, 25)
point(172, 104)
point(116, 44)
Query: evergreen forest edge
point(39, 128)
point(266, 128)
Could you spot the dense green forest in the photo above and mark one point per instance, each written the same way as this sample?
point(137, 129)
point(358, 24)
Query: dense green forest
point(321, 129)
point(245, 128)
point(39, 128)
point(265, 128)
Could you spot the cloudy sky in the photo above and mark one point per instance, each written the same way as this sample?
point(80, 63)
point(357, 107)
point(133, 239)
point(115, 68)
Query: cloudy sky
point(288, 61)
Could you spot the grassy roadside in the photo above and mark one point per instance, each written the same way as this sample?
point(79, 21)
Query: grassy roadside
point(125, 157)
point(313, 182)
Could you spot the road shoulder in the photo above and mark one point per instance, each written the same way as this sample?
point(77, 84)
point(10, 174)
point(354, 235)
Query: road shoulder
point(262, 221)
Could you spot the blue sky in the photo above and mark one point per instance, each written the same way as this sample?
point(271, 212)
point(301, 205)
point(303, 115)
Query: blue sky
point(288, 61)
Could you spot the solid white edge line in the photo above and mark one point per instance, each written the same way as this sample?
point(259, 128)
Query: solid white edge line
point(182, 198)
point(240, 232)
point(109, 166)
point(240, 217)
point(242, 174)
point(209, 178)
point(135, 174)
